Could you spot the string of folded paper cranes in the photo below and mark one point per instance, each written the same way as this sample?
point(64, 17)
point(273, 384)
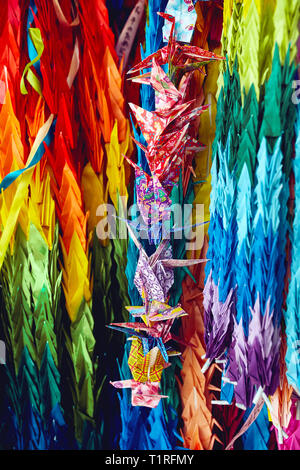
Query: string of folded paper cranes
point(169, 155)
point(256, 374)
point(249, 245)
point(49, 359)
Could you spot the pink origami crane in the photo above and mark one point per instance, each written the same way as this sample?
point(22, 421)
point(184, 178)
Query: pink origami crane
point(166, 129)
point(177, 56)
point(143, 394)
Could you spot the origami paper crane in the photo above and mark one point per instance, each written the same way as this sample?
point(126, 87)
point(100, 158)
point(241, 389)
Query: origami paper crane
point(152, 199)
point(151, 336)
point(143, 394)
point(166, 129)
point(176, 55)
point(166, 93)
point(185, 16)
point(156, 311)
point(147, 363)
point(154, 275)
